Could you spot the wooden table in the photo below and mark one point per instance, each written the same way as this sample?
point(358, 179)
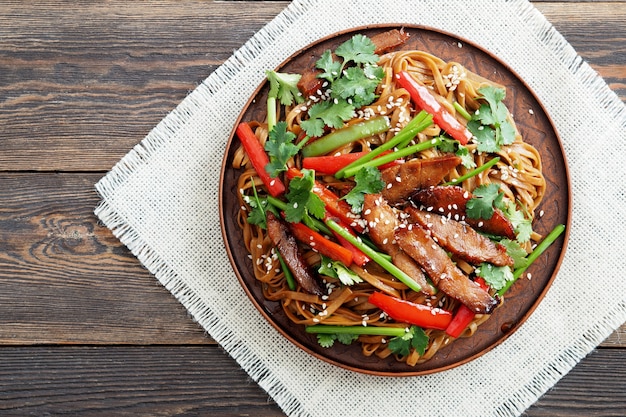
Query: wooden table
point(84, 328)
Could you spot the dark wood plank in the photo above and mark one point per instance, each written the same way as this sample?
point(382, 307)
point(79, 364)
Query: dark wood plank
point(202, 380)
point(66, 279)
point(595, 387)
point(584, 25)
point(137, 381)
point(78, 93)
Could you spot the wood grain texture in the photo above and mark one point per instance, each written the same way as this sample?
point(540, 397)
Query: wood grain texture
point(66, 279)
point(188, 380)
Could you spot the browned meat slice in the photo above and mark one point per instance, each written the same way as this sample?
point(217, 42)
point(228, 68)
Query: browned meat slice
point(461, 239)
point(382, 221)
point(451, 201)
point(416, 242)
point(288, 248)
point(404, 179)
point(391, 39)
point(309, 84)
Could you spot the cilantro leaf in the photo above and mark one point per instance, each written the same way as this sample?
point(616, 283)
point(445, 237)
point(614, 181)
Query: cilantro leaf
point(336, 269)
point(495, 276)
point(368, 181)
point(452, 146)
point(301, 199)
point(485, 115)
point(485, 136)
point(493, 95)
point(358, 84)
point(515, 251)
point(331, 68)
point(507, 133)
point(485, 198)
point(284, 87)
point(280, 148)
point(352, 78)
point(489, 124)
point(467, 159)
point(358, 49)
point(326, 340)
point(521, 225)
point(346, 338)
point(415, 338)
point(327, 113)
point(259, 206)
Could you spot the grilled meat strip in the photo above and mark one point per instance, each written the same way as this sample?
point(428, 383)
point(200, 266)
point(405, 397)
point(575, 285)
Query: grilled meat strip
point(382, 221)
point(417, 242)
point(461, 239)
point(391, 39)
point(452, 200)
point(287, 245)
point(404, 180)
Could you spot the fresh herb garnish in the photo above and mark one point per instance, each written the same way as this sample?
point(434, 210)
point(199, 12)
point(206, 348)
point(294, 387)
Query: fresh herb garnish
point(327, 340)
point(368, 181)
point(326, 113)
point(415, 338)
point(521, 225)
point(496, 276)
point(516, 252)
point(453, 146)
point(336, 269)
point(403, 339)
point(259, 206)
point(352, 81)
point(284, 87)
point(486, 198)
point(489, 123)
point(301, 200)
point(280, 148)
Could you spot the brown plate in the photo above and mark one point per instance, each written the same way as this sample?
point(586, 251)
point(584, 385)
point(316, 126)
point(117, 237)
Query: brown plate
point(521, 300)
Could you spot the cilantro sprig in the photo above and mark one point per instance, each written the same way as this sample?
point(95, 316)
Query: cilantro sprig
point(301, 201)
point(368, 181)
point(489, 125)
point(280, 148)
point(336, 269)
point(401, 344)
point(352, 74)
point(284, 88)
point(486, 198)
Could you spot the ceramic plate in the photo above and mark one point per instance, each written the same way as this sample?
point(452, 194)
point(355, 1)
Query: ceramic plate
point(536, 128)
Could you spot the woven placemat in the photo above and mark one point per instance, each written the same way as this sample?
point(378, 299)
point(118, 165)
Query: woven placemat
point(160, 200)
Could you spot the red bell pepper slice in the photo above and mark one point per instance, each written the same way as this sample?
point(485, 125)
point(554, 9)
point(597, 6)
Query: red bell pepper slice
point(334, 205)
point(319, 243)
point(259, 159)
point(423, 99)
point(330, 164)
point(464, 315)
point(412, 313)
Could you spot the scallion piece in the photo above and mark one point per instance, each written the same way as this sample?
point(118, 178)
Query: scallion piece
point(541, 248)
point(375, 256)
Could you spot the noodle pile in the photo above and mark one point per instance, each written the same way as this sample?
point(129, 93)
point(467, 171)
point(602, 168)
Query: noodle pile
point(518, 173)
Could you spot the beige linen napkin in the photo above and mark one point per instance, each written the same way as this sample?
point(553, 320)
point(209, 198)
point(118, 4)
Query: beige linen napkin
point(160, 201)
